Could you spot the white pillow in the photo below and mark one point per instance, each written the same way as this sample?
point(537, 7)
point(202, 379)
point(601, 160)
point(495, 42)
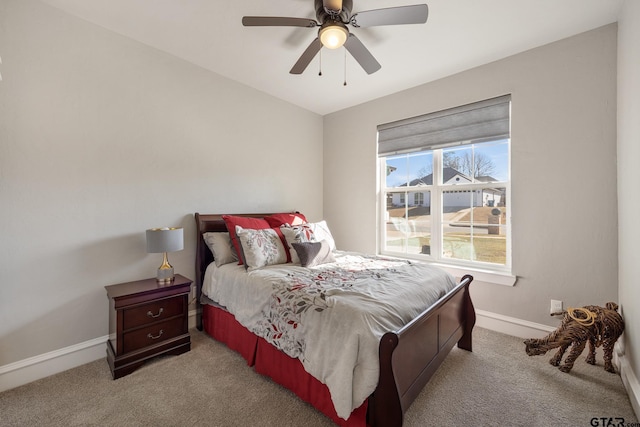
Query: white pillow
point(296, 234)
point(260, 247)
point(309, 232)
point(321, 232)
point(221, 247)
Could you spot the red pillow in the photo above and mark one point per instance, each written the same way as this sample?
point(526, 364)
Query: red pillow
point(293, 218)
point(245, 222)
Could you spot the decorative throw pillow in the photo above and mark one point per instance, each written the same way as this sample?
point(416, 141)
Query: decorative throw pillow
point(321, 232)
point(294, 218)
point(296, 234)
point(245, 222)
point(221, 247)
point(314, 253)
point(260, 247)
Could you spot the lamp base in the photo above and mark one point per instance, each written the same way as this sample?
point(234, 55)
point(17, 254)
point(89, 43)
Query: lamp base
point(165, 272)
point(165, 276)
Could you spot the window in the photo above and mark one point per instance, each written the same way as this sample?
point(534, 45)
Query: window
point(446, 186)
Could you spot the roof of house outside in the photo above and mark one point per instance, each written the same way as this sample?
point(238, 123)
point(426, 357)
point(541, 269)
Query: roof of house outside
point(447, 174)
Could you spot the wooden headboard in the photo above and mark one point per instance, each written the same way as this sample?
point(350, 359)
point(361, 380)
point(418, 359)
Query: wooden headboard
point(208, 223)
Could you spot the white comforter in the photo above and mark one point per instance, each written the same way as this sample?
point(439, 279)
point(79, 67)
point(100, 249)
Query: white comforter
point(331, 317)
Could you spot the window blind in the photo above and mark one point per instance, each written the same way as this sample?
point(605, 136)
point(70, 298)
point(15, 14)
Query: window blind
point(488, 119)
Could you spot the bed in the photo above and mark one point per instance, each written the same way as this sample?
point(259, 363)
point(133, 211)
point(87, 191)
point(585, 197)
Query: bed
point(407, 356)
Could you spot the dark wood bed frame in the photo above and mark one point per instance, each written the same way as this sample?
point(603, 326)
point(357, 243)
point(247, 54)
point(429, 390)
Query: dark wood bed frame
point(408, 357)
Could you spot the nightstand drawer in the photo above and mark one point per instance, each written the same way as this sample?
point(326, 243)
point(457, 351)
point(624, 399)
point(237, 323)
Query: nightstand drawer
point(153, 334)
point(152, 312)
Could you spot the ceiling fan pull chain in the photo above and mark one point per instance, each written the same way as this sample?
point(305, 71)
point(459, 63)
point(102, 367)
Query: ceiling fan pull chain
point(345, 68)
point(320, 67)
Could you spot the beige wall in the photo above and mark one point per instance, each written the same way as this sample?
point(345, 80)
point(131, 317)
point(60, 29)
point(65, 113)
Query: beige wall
point(563, 170)
point(629, 178)
point(101, 138)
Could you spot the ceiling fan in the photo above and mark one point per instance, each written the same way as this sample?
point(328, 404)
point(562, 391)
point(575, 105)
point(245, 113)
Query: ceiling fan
point(332, 18)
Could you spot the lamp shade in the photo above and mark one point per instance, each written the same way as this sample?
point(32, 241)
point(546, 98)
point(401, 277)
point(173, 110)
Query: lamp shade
point(165, 240)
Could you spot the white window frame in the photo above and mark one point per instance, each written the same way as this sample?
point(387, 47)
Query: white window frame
point(482, 271)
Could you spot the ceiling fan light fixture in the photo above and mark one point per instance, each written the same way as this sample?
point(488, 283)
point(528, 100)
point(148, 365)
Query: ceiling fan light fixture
point(333, 36)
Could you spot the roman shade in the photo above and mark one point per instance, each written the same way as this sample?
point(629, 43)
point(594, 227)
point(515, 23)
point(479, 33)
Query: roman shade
point(488, 119)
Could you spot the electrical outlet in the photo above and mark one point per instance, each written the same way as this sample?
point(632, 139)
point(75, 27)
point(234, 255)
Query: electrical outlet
point(556, 306)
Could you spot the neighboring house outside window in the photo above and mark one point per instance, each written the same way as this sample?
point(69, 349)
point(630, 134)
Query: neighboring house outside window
point(447, 201)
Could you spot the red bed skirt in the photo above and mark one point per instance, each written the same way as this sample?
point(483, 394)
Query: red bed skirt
point(269, 361)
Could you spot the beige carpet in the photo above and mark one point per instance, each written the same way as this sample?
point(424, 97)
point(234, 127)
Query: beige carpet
point(496, 385)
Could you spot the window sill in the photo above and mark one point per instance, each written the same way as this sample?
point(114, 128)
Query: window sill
point(479, 275)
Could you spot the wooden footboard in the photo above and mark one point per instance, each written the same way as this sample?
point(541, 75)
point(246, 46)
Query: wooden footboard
point(410, 356)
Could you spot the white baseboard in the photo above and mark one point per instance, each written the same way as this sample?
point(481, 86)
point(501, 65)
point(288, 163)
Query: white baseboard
point(34, 368)
point(38, 367)
point(630, 382)
point(511, 326)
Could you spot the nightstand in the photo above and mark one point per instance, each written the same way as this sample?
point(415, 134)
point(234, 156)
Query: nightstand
point(146, 320)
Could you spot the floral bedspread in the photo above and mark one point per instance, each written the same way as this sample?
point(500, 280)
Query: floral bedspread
point(331, 317)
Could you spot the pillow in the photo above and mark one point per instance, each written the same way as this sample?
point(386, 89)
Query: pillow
point(260, 247)
point(296, 234)
point(245, 222)
point(220, 246)
point(321, 232)
point(314, 253)
point(294, 218)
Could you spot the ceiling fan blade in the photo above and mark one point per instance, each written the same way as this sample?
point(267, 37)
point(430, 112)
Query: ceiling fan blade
point(416, 14)
point(306, 57)
point(277, 21)
point(362, 54)
point(332, 6)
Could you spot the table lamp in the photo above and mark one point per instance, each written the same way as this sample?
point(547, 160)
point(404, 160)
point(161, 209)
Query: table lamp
point(163, 240)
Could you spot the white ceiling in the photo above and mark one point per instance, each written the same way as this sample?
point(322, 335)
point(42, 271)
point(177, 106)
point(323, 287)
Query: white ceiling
point(459, 34)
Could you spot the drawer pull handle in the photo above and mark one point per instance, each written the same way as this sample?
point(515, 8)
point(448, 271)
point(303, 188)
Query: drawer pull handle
point(156, 337)
point(150, 314)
